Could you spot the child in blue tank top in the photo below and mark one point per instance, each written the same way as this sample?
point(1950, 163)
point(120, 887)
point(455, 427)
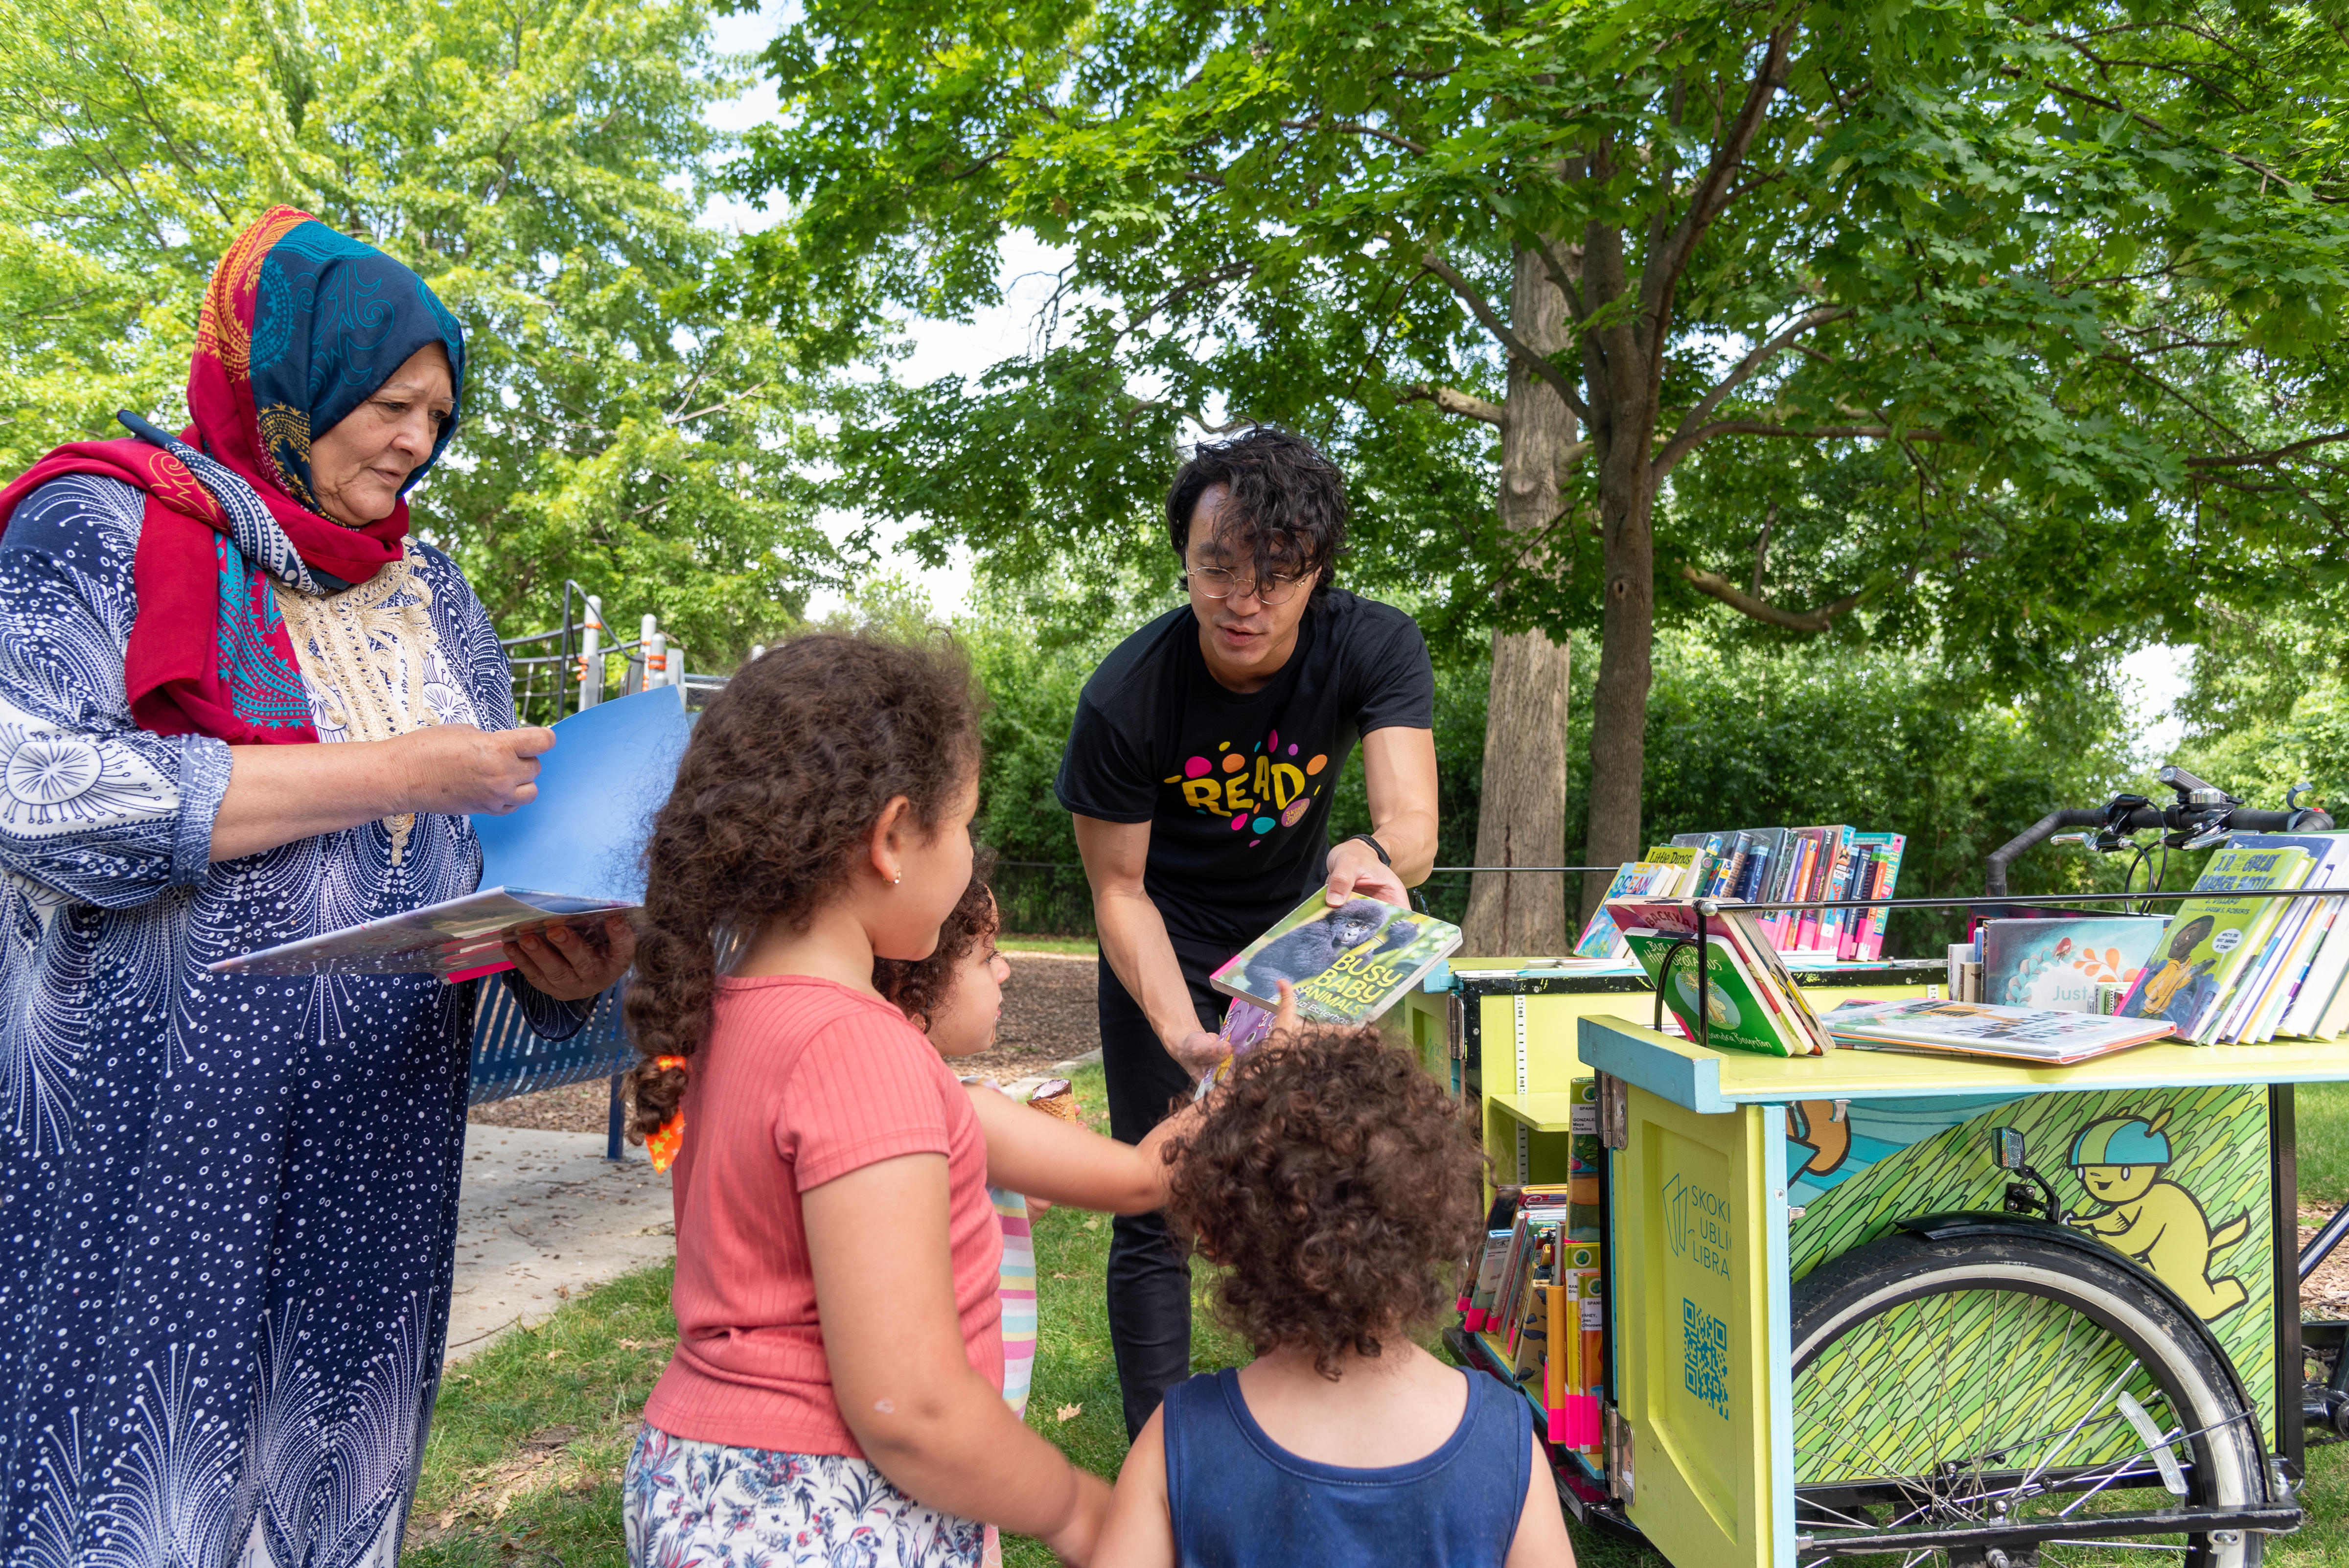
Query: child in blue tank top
point(1339, 1186)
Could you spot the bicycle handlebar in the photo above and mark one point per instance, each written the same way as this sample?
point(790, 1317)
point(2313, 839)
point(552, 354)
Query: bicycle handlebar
point(2177, 818)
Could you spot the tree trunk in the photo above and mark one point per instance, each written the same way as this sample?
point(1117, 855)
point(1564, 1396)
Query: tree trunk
point(1521, 820)
point(1619, 706)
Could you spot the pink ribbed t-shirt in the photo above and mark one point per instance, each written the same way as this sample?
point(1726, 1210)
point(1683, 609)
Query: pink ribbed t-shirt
point(802, 1081)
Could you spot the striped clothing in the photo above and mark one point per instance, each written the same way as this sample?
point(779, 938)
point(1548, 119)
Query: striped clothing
point(1018, 1294)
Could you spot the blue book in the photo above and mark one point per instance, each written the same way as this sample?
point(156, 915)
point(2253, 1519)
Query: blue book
point(574, 855)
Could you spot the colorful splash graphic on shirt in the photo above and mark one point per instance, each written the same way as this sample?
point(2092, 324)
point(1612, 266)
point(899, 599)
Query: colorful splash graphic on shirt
point(1266, 787)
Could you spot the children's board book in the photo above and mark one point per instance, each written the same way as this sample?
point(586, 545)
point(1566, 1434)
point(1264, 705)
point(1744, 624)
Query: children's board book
point(1751, 1003)
point(2211, 942)
point(2059, 964)
point(571, 856)
point(1600, 939)
point(1349, 964)
point(2035, 1034)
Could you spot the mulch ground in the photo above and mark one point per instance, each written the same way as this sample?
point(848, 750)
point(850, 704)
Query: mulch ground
point(1048, 1016)
point(2325, 1293)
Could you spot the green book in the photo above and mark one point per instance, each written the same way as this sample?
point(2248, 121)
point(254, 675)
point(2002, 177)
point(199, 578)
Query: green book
point(1737, 1014)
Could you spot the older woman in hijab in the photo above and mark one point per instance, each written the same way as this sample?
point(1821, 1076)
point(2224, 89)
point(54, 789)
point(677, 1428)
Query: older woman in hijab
point(230, 1201)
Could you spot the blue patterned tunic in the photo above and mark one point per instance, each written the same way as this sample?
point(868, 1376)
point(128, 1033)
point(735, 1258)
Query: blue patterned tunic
point(230, 1202)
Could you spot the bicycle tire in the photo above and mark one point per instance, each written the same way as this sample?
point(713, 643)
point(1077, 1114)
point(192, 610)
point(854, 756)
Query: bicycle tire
point(1857, 1317)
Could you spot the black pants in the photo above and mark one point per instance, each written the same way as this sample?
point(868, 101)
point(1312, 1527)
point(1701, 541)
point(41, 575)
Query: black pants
point(1149, 1278)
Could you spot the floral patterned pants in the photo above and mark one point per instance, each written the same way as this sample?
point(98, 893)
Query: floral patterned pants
point(705, 1505)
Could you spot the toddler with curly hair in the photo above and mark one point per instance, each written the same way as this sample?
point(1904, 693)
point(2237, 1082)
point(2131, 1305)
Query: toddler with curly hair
point(1337, 1185)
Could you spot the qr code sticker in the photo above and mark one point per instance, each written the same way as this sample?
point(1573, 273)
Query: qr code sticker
point(1706, 1370)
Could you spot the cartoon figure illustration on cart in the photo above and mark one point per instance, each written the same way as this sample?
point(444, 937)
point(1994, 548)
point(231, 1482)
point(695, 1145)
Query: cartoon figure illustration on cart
point(1821, 1126)
point(2120, 1161)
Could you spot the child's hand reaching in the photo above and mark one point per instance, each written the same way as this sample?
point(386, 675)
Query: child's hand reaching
point(1200, 1053)
point(1245, 1027)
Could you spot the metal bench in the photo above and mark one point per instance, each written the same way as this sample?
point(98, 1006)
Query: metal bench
point(510, 1059)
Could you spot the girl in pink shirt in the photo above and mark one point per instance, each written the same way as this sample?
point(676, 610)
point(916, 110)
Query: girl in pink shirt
point(835, 1393)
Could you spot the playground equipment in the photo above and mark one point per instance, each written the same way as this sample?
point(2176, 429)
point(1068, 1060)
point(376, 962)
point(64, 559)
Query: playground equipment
point(509, 1058)
point(548, 685)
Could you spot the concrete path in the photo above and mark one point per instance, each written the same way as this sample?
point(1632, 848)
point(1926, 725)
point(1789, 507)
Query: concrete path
point(542, 1218)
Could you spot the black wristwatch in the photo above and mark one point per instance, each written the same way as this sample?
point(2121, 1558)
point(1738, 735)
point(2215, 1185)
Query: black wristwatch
point(1376, 848)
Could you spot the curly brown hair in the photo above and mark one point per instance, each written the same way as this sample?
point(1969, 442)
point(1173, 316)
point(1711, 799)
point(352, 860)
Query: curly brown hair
point(917, 987)
point(1338, 1185)
point(787, 771)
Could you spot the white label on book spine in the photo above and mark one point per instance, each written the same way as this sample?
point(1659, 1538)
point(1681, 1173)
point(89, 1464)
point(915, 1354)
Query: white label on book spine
point(1583, 1118)
point(1594, 1313)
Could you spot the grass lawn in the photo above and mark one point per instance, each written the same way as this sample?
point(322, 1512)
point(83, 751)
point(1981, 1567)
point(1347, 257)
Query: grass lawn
point(523, 1469)
point(1076, 947)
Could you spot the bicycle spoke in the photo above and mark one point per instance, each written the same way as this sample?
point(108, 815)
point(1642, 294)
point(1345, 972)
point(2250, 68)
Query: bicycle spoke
point(1950, 1402)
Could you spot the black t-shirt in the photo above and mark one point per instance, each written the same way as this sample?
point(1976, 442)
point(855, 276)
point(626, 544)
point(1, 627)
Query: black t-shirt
point(1236, 787)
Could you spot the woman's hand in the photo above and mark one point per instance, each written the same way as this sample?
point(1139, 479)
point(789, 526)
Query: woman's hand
point(459, 770)
point(570, 965)
point(277, 795)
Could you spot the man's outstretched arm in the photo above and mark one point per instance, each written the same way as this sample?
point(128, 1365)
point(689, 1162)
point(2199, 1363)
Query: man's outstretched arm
point(1398, 767)
point(1133, 938)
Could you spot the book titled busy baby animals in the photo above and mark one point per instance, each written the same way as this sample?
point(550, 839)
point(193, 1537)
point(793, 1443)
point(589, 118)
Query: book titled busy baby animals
point(1348, 964)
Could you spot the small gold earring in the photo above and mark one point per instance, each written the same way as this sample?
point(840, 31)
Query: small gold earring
point(894, 880)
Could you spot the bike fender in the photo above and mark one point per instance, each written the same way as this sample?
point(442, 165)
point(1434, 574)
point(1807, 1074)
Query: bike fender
point(1957, 1224)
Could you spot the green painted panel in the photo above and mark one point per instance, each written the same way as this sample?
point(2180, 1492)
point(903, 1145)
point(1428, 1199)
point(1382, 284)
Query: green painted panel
point(2176, 1178)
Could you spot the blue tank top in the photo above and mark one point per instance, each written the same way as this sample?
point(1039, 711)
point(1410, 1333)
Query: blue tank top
point(1238, 1499)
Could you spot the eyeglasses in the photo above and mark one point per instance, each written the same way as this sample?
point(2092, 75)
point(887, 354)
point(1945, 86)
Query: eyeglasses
point(1214, 583)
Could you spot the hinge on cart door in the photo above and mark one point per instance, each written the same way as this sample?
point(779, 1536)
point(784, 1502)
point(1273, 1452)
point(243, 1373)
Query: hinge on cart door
point(1614, 1115)
point(1617, 1434)
point(1454, 1033)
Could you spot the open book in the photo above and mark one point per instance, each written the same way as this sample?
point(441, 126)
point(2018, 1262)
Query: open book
point(571, 856)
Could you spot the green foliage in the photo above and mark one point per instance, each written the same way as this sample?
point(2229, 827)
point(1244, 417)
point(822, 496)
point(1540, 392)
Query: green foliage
point(2070, 272)
point(538, 162)
point(2268, 707)
point(1033, 660)
point(1886, 741)
point(1460, 687)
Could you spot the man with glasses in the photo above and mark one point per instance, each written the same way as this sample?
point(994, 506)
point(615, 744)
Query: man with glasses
point(1200, 770)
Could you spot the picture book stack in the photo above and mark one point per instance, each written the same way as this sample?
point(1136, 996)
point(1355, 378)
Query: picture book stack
point(1537, 1301)
point(1750, 999)
point(2043, 1036)
point(2069, 960)
point(2244, 970)
point(1769, 866)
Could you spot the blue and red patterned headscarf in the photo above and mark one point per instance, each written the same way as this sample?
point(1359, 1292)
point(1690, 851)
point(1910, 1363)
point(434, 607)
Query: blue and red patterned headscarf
point(300, 325)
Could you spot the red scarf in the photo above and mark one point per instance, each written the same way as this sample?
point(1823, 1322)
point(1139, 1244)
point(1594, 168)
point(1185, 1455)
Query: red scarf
point(208, 654)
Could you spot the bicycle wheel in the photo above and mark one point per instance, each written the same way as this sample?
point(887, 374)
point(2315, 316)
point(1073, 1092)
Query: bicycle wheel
point(2000, 1383)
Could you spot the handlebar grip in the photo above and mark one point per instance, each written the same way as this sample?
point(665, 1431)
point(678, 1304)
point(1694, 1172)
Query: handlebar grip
point(2037, 833)
point(2305, 820)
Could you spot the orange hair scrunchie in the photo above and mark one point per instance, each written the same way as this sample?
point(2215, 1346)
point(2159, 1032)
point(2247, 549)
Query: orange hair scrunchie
point(663, 1145)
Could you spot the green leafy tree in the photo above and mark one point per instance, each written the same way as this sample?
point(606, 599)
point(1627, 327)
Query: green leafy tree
point(539, 163)
point(2267, 705)
point(1942, 315)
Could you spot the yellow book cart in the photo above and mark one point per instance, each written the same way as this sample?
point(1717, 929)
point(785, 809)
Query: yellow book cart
point(1908, 1310)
